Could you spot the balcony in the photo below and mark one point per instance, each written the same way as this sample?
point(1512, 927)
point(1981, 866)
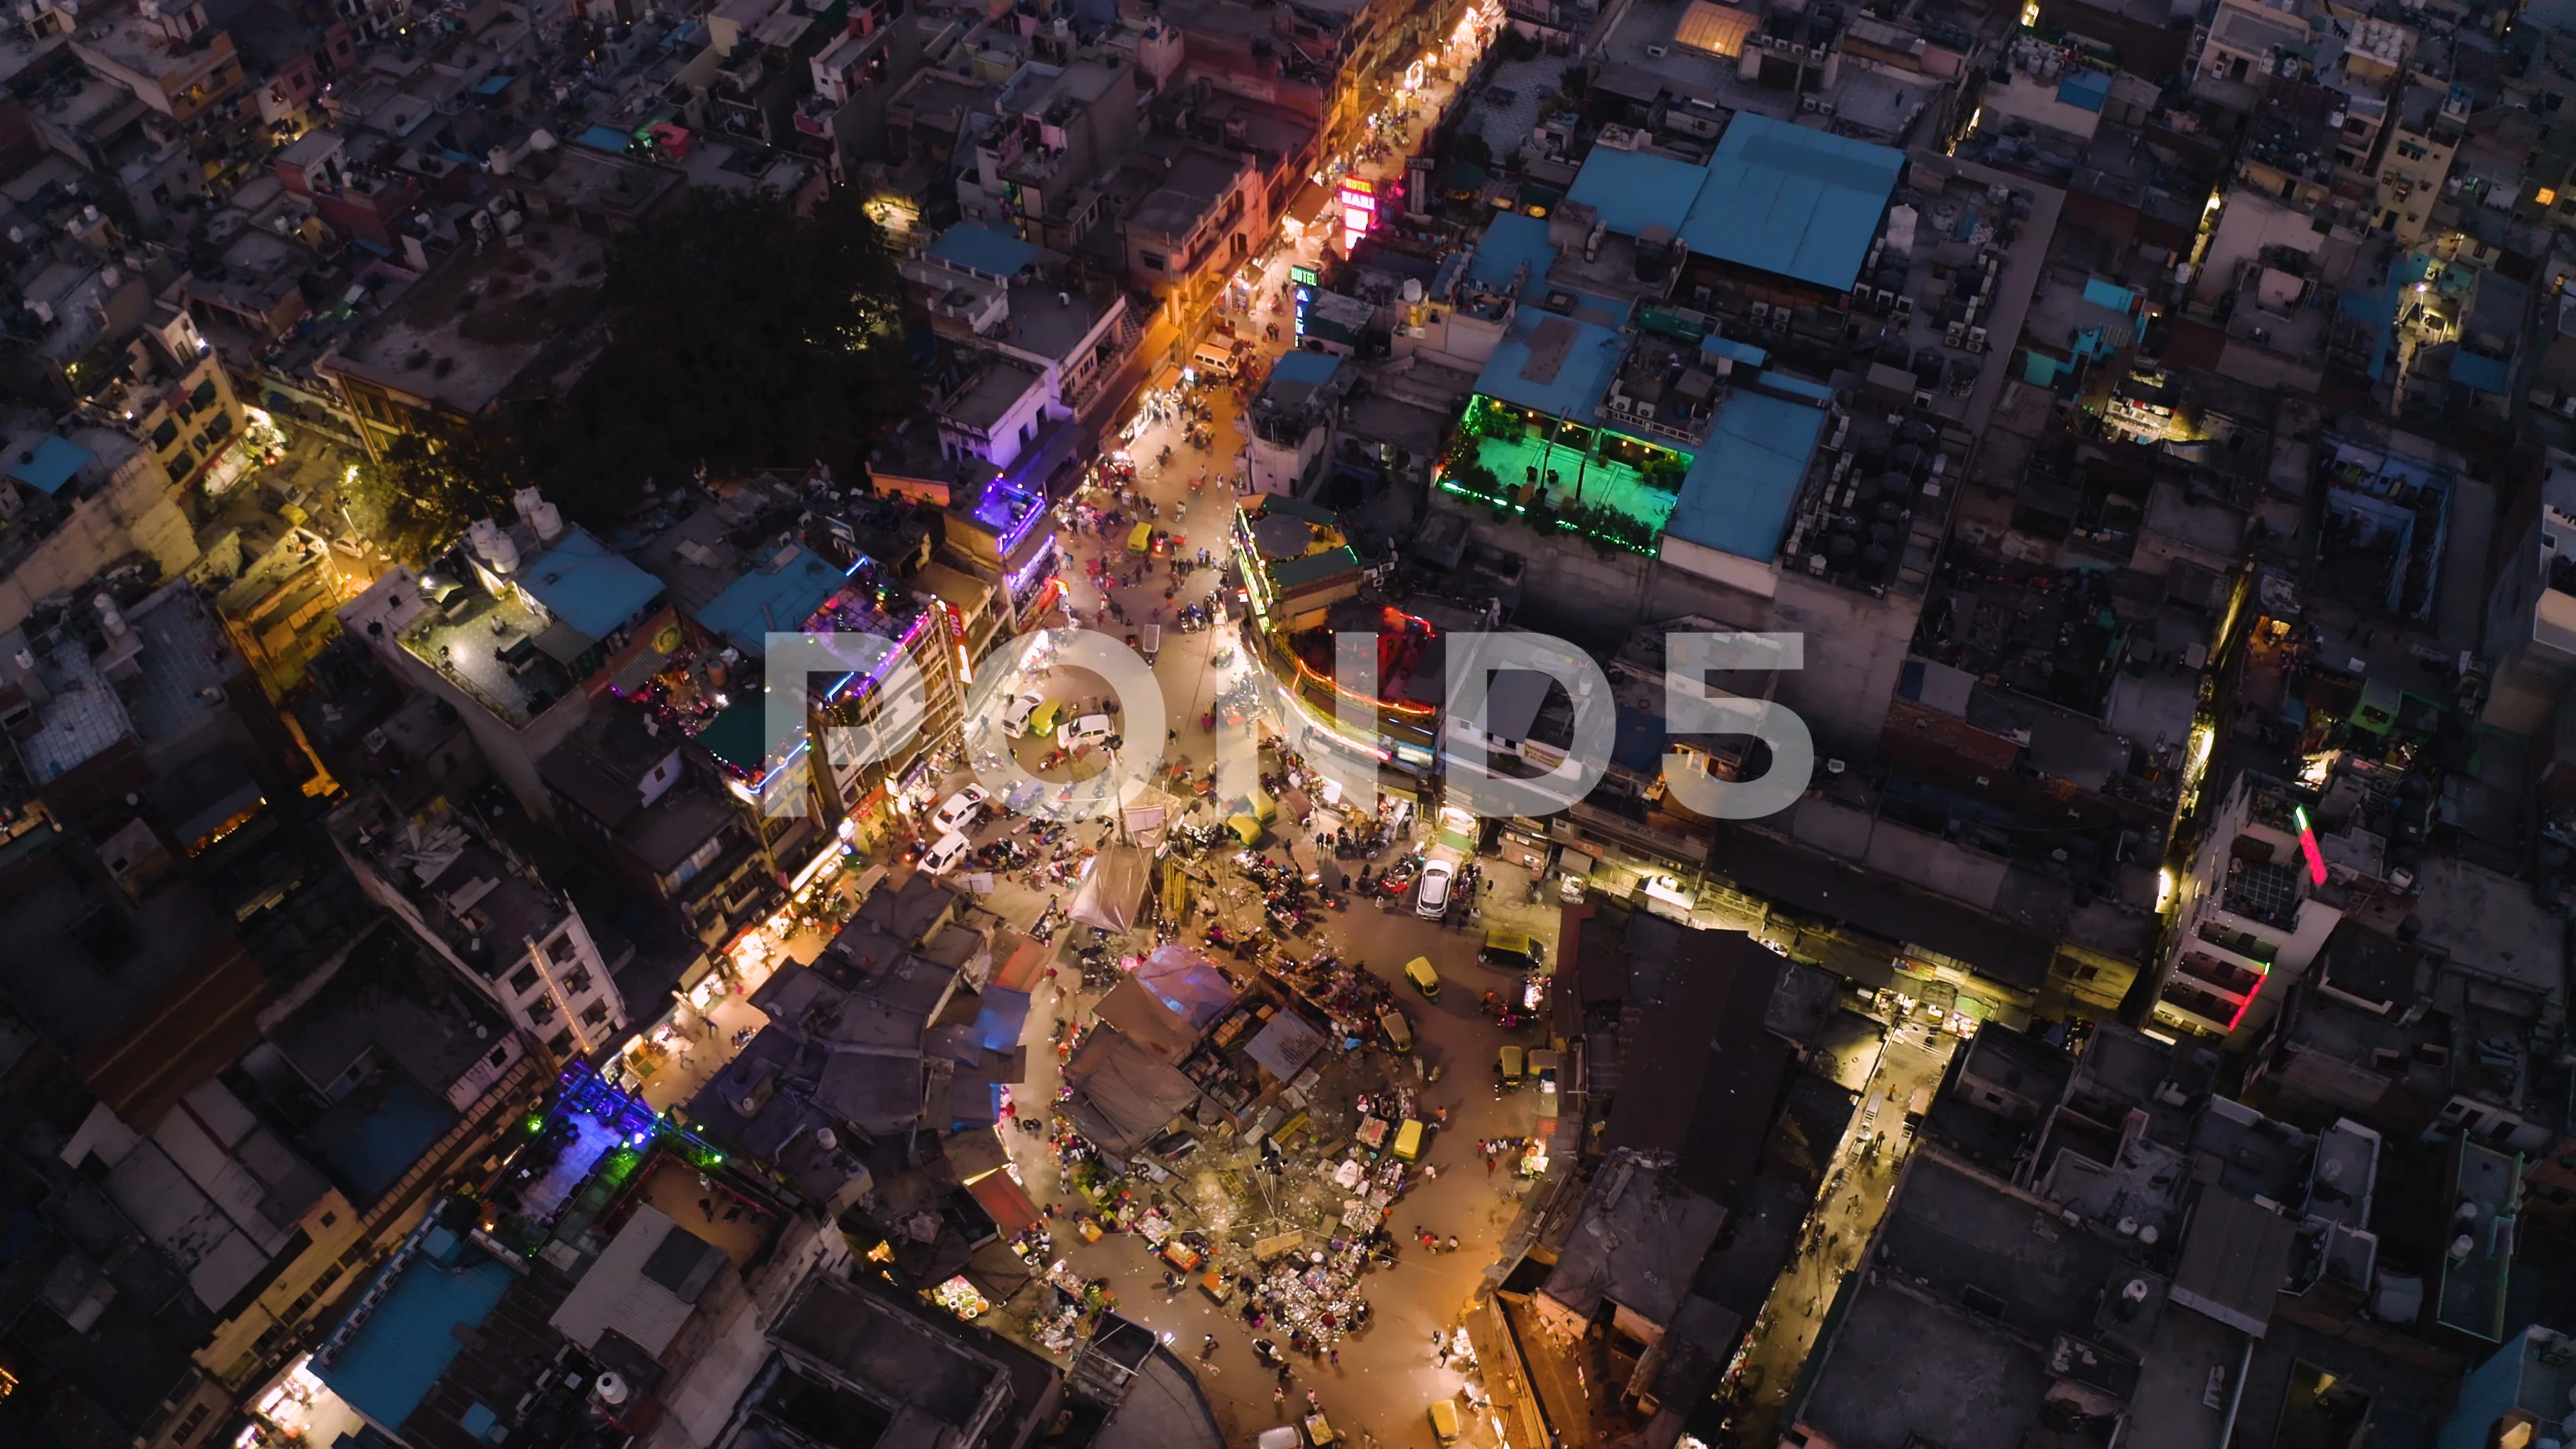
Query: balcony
point(2198, 1006)
point(2243, 944)
point(2225, 977)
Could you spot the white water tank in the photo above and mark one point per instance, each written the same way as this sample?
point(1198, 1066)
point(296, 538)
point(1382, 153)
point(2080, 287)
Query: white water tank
point(543, 517)
point(108, 617)
point(494, 546)
point(610, 1388)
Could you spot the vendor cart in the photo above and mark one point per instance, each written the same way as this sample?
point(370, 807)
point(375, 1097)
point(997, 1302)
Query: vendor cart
point(1318, 1432)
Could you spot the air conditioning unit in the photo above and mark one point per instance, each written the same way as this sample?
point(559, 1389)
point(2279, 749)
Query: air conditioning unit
point(1904, 306)
point(1808, 104)
point(1976, 339)
point(1656, 52)
point(1761, 313)
point(1779, 319)
point(1825, 108)
point(1621, 402)
point(1886, 299)
point(1922, 399)
point(1646, 410)
point(1954, 334)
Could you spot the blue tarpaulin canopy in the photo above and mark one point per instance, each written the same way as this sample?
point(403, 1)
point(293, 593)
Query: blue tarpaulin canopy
point(49, 464)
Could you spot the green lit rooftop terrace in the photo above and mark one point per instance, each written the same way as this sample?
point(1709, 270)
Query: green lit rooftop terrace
point(1606, 485)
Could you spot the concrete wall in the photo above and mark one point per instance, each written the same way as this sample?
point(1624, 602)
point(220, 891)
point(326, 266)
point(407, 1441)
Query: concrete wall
point(132, 512)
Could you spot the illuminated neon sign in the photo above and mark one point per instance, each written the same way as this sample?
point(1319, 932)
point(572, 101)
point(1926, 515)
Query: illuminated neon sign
point(1359, 209)
point(1305, 280)
point(2308, 846)
point(2262, 979)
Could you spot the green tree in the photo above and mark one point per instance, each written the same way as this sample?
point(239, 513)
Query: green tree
point(428, 486)
point(742, 336)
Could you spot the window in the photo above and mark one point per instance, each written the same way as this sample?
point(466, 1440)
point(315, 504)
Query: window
point(1155, 261)
point(560, 1043)
point(500, 1055)
point(578, 983)
point(541, 1010)
point(204, 394)
point(595, 1013)
point(330, 1218)
point(186, 1431)
point(166, 434)
point(524, 980)
point(562, 949)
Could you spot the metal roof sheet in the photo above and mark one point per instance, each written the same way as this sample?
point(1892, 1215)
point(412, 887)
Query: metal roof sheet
point(1633, 190)
point(588, 586)
point(1555, 365)
point(777, 598)
point(1737, 494)
point(1786, 199)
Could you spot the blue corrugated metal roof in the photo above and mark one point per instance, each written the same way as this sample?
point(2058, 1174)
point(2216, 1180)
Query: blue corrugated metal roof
point(50, 464)
point(1737, 495)
point(608, 139)
point(1786, 199)
point(1314, 369)
point(1509, 240)
point(770, 600)
point(388, 1366)
point(2110, 294)
point(1632, 190)
point(1742, 353)
point(2090, 89)
point(982, 249)
point(2486, 374)
point(1582, 369)
point(587, 586)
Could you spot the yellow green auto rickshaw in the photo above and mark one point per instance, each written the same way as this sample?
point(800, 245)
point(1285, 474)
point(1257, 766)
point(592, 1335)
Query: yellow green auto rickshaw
point(1425, 979)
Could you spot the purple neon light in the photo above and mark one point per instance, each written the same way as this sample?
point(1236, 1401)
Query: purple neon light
point(1029, 570)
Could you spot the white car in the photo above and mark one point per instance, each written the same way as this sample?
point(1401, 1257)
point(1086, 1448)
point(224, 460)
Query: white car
point(1015, 719)
point(1437, 877)
point(959, 810)
point(943, 857)
point(1091, 729)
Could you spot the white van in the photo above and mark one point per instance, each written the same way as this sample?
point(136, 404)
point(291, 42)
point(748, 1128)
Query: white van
point(1214, 359)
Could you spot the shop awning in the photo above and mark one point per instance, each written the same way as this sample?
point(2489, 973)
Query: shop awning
point(1023, 961)
point(998, 1194)
point(1005, 1015)
point(1122, 1094)
point(1113, 893)
point(1286, 1045)
point(1146, 1021)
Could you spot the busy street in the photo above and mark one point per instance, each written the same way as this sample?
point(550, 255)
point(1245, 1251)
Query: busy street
point(1330, 1266)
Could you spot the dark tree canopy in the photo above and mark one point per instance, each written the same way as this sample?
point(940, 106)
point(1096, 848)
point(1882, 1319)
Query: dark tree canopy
point(741, 337)
point(428, 486)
